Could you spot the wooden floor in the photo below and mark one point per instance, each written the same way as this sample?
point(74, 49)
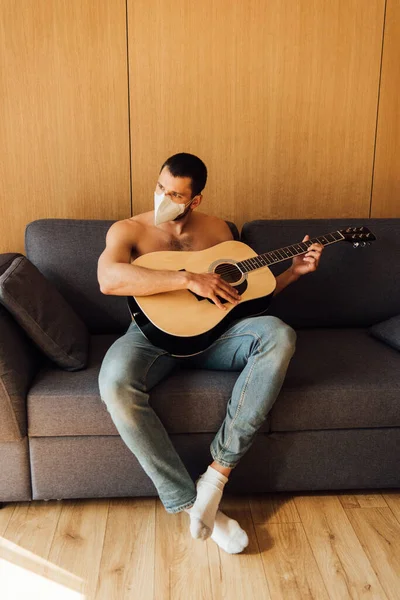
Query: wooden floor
point(314, 546)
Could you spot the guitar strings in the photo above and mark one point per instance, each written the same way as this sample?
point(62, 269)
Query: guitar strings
point(229, 271)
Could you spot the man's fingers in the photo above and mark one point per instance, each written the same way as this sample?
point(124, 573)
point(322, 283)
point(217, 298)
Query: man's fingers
point(229, 296)
point(230, 293)
point(217, 302)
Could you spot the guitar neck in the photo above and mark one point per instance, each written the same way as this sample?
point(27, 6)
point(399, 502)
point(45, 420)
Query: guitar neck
point(277, 256)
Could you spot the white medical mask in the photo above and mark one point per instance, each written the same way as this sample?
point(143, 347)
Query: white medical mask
point(165, 209)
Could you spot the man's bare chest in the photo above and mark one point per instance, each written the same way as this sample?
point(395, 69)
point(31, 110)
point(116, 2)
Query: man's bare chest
point(186, 243)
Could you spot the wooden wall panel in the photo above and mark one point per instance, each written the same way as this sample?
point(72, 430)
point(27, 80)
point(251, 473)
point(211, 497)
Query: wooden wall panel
point(64, 133)
point(386, 187)
point(278, 97)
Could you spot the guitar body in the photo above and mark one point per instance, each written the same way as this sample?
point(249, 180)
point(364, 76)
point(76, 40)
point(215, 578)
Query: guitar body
point(183, 323)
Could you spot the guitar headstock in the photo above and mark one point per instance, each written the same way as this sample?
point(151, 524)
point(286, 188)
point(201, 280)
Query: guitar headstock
point(358, 236)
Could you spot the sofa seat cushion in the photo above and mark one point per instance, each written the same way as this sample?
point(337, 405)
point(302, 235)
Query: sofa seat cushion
point(339, 379)
point(61, 403)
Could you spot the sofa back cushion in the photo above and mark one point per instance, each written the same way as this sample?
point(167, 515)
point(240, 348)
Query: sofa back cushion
point(351, 288)
point(66, 251)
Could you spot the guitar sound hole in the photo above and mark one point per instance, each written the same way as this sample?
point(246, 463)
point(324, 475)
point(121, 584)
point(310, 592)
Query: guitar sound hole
point(229, 273)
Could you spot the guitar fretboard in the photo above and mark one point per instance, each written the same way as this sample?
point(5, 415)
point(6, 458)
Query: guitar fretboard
point(276, 256)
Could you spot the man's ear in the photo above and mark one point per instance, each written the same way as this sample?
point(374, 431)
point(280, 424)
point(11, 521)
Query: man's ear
point(196, 201)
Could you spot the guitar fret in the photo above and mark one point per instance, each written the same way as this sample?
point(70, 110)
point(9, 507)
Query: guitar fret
point(332, 236)
point(247, 264)
point(281, 254)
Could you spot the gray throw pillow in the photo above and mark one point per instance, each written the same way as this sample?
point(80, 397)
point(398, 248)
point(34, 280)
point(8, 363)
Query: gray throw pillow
point(388, 331)
point(44, 314)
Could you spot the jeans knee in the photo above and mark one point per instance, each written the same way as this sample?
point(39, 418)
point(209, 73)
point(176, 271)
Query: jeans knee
point(288, 336)
point(283, 336)
point(113, 388)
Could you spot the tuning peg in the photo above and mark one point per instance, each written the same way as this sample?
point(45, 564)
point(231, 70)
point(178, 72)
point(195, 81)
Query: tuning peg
point(356, 244)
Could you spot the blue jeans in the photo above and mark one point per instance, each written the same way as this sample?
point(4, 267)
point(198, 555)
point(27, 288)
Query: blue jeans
point(259, 347)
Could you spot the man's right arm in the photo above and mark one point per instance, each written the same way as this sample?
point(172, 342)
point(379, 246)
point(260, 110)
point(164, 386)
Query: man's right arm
point(118, 277)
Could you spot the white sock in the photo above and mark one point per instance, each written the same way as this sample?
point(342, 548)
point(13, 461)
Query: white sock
point(209, 493)
point(228, 534)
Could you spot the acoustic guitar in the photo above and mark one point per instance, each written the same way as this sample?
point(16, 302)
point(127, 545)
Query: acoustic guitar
point(183, 323)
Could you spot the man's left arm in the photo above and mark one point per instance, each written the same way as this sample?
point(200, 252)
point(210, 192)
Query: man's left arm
point(301, 265)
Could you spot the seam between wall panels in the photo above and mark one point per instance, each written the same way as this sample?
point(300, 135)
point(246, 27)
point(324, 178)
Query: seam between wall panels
point(377, 111)
point(129, 108)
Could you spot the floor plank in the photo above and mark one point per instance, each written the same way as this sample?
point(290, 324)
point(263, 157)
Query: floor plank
point(78, 541)
point(361, 500)
point(127, 565)
point(33, 524)
point(24, 551)
point(239, 575)
point(393, 501)
point(301, 547)
point(289, 564)
point(379, 533)
point(181, 563)
point(273, 508)
point(344, 566)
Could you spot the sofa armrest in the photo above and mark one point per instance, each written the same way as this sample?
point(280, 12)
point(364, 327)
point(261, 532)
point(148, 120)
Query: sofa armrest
point(19, 363)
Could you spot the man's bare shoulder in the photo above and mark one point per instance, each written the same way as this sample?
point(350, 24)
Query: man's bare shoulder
point(133, 224)
point(145, 219)
point(218, 226)
point(125, 231)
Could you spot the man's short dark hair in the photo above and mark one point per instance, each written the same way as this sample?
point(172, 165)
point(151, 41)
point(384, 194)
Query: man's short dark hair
point(188, 165)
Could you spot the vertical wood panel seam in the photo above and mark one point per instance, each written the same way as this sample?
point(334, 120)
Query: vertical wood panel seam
point(129, 106)
point(377, 110)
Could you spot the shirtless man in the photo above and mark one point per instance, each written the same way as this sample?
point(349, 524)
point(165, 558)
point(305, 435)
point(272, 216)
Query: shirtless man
point(259, 347)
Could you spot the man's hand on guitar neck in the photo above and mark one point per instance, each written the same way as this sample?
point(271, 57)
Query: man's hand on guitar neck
point(301, 265)
point(211, 285)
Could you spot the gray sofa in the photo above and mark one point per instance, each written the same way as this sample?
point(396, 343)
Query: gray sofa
point(334, 426)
